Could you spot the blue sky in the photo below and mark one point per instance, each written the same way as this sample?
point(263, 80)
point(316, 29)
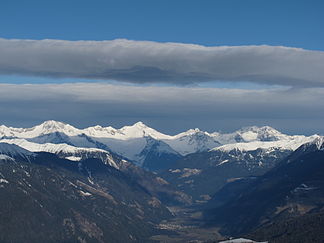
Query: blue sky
point(211, 87)
point(295, 23)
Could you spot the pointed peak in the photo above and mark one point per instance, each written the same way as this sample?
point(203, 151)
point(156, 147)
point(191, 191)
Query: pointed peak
point(139, 124)
point(268, 128)
point(190, 132)
point(52, 123)
point(51, 126)
point(318, 142)
point(195, 130)
point(139, 129)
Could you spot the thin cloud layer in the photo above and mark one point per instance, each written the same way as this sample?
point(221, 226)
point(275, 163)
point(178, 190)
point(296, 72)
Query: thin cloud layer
point(152, 62)
point(171, 109)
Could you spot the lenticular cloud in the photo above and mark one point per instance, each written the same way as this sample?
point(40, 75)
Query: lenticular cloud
point(152, 62)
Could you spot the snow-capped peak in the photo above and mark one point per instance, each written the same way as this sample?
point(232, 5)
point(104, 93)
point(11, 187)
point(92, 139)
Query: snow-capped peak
point(52, 124)
point(139, 124)
point(55, 126)
point(139, 129)
point(191, 132)
point(317, 143)
point(264, 133)
point(250, 134)
point(260, 130)
point(44, 128)
point(99, 131)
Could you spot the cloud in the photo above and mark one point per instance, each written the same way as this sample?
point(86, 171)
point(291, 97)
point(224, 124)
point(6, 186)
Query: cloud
point(170, 109)
point(154, 62)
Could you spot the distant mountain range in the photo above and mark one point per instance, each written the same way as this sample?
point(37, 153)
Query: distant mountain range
point(144, 145)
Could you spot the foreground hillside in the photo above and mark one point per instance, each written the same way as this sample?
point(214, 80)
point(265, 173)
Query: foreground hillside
point(48, 199)
point(284, 205)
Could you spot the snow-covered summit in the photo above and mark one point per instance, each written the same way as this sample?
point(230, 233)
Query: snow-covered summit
point(319, 142)
point(313, 145)
point(249, 134)
point(264, 133)
point(139, 129)
point(55, 126)
point(46, 127)
point(191, 141)
point(99, 131)
point(190, 132)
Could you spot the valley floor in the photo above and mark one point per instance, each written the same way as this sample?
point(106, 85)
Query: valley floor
point(186, 226)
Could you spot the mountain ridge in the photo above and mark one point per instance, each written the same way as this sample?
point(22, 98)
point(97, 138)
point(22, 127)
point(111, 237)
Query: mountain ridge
point(277, 205)
point(132, 141)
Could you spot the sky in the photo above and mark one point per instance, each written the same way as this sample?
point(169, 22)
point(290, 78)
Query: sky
point(217, 65)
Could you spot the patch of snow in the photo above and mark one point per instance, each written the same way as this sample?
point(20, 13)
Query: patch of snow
point(161, 181)
point(73, 158)
point(86, 194)
point(223, 162)
point(4, 181)
point(175, 171)
point(189, 181)
point(249, 136)
point(303, 187)
point(187, 172)
point(5, 157)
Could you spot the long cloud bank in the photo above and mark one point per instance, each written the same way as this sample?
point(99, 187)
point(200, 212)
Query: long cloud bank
point(166, 108)
point(152, 62)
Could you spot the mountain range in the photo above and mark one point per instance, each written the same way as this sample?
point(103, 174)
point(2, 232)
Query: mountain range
point(144, 145)
point(106, 184)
